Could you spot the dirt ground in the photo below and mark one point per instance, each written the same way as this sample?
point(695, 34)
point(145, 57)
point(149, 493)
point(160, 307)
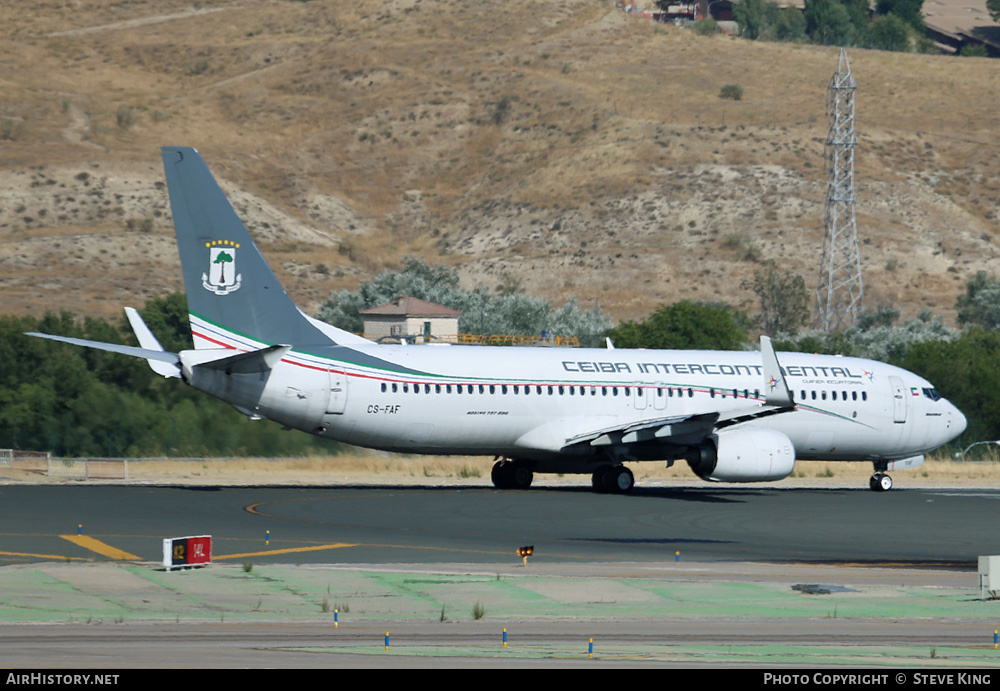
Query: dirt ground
point(566, 148)
point(373, 468)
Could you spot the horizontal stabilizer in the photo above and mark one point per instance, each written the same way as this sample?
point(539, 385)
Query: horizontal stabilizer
point(254, 362)
point(146, 353)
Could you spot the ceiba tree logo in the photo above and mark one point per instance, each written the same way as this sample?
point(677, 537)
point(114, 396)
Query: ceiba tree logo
point(221, 278)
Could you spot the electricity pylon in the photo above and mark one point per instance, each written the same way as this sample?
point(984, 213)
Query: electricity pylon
point(840, 294)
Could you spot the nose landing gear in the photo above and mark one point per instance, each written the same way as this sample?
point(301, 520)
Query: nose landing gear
point(880, 482)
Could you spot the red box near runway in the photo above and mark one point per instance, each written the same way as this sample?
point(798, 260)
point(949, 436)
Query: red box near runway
point(187, 551)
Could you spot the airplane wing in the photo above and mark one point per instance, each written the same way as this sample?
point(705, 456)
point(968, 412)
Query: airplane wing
point(646, 430)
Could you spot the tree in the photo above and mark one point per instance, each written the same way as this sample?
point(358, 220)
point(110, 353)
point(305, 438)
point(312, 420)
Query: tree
point(482, 312)
point(980, 306)
point(84, 402)
point(791, 25)
point(858, 11)
point(965, 372)
point(684, 324)
point(910, 11)
point(167, 317)
point(875, 337)
point(993, 7)
point(829, 22)
point(889, 32)
point(750, 17)
point(438, 284)
point(974, 50)
point(784, 302)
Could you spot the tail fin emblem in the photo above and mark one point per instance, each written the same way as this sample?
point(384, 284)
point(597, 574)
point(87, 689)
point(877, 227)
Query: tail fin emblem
point(221, 278)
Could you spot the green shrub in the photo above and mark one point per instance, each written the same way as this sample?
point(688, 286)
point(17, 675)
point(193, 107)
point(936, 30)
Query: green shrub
point(125, 118)
point(706, 26)
point(12, 129)
point(732, 91)
point(977, 51)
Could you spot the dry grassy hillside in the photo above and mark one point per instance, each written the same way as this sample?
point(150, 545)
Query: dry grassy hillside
point(561, 142)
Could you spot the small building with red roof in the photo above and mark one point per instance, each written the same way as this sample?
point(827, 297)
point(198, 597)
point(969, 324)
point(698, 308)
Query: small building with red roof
point(418, 321)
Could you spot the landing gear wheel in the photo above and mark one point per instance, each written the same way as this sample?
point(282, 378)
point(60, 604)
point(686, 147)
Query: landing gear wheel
point(613, 480)
point(621, 480)
point(511, 475)
point(500, 475)
point(597, 479)
point(880, 482)
point(521, 476)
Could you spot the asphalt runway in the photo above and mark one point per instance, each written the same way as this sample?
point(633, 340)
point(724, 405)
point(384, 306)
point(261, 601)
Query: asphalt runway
point(379, 525)
point(560, 645)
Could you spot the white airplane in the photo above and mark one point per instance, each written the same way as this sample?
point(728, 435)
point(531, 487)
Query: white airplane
point(733, 416)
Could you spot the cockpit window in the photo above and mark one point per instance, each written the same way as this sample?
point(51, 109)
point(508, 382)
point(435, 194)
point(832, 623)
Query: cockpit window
point(932, 394)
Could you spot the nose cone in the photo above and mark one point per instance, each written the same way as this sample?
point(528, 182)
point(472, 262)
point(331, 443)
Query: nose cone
point(958, 421)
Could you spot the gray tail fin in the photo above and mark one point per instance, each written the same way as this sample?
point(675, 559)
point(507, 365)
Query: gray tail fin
point(234, 299)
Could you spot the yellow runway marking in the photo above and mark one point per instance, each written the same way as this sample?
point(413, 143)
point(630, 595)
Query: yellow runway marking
point(97, 546)
point(290, 550)
point(38, 556)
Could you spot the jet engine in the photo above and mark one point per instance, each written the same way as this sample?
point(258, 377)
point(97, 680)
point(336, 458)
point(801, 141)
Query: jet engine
point(744, 455)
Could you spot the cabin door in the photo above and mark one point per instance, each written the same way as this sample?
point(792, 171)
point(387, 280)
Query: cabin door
point(337, 397)
point(898, 399)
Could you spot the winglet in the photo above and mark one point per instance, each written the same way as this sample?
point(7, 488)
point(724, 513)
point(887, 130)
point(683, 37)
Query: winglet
point(148, 341)
point(775, 386)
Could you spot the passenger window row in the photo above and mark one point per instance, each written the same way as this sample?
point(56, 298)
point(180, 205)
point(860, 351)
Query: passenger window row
point(561, 390)
point(834, 395)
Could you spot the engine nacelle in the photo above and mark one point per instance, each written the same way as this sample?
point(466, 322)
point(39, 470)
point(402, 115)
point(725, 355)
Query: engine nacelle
point(745, 455)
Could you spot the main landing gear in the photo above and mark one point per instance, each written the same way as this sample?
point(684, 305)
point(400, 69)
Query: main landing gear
point(880, 482)
point(613, 479)
point(511, 474)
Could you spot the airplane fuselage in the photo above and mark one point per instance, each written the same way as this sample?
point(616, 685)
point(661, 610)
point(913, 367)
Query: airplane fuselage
point(732, 416)
point(527, 402)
